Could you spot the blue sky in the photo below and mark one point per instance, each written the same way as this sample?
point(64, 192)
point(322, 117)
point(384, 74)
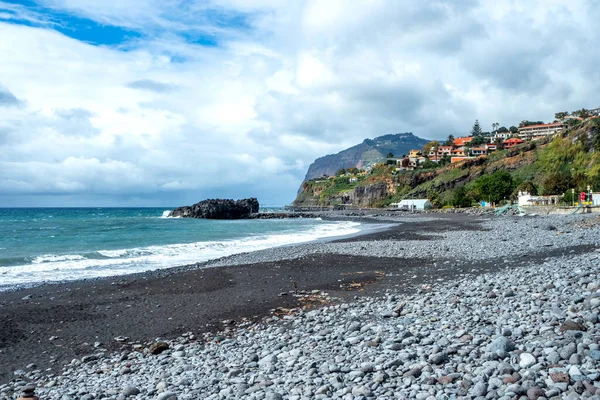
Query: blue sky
point(166, 102)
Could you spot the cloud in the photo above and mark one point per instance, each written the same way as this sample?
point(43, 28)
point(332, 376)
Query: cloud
point(7, 99)
point(227, 97)
point(153, 86)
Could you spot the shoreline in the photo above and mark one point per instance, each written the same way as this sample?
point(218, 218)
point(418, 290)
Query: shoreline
point(248, 287)
point(367, 223)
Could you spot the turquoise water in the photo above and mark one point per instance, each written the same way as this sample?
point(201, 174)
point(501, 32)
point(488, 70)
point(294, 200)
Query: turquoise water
point(56, 244)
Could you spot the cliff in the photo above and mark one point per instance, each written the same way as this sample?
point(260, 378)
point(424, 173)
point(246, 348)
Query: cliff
point(367, 153)
point(552, 165)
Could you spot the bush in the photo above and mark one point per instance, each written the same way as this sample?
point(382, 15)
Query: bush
point(494, 187)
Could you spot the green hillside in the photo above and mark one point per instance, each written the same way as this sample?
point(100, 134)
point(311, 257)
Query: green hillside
point(554, 165)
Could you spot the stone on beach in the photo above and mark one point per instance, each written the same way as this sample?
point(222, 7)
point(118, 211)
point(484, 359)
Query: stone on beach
point(452, 340)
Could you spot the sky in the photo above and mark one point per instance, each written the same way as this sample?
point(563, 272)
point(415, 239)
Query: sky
point(168, 102)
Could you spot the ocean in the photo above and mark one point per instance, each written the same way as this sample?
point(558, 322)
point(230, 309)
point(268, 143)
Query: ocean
point(40, 245)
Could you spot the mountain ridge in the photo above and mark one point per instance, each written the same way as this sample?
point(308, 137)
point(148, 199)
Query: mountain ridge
point(366, 153)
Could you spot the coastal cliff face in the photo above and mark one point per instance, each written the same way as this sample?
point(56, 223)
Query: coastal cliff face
point(552, 165)
point(369, 152)
point(218, 209)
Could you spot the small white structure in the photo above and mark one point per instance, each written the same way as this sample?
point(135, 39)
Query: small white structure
point(414, 204)
point(526, 199)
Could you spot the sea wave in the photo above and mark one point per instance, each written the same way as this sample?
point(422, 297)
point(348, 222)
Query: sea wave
point(166, 213)
point(102, 263)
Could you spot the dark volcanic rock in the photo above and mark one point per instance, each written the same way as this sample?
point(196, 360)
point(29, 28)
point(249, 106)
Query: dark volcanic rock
point(218, 209)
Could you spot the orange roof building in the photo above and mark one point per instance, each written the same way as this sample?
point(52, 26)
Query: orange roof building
point(512, 142)
point(461, 141)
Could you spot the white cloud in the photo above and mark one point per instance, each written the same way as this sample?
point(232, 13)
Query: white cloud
point(286, 83)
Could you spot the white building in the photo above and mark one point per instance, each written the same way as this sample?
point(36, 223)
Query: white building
point(540, 130)
point(415, 204)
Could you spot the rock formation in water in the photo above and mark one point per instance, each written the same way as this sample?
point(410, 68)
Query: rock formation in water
point(218, 209)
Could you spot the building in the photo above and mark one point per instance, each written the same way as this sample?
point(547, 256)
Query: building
point(512, 142)
point(501, 135)
point(491, 147)
point(479, 151)
point(525, 199)
point(540, 130)
point(414, 204)
point(461, 141)
point(460, 152)
point(414, 153)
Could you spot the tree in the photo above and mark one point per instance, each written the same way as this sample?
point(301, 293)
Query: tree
point(583, 113)
point(431, 145)
point(433, 197)
point(494, 187)
point(389, 155)
point(495, 126)
point(476, 130)
point(341, 172)
point(513, 129)
point(450, 141)
point(557, 182)
point(502, 129)
point(529, 123)
point(559, 116)
point(477, 140)
point(460, 198)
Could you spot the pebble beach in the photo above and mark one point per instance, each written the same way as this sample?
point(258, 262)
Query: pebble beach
point(436, 307)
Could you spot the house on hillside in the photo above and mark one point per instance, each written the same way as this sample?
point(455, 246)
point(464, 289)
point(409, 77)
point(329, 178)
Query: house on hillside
point(501, 135)
point(460, 152)
point(461, 141)
point(512, 142)
point(540, 130)
point(415, 204)
point(478, 151)
point(414, 153)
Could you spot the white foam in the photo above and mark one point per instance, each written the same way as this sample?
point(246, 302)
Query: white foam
point(166, 213)
point(51, 267)
point(50, 258)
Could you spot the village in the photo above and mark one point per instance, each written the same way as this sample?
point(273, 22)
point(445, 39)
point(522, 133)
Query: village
point(479, 145)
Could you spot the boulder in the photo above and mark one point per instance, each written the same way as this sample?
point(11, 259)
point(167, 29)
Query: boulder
point(218, 209)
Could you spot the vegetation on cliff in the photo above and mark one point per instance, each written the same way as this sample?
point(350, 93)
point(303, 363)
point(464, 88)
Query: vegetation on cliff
point(550, 166)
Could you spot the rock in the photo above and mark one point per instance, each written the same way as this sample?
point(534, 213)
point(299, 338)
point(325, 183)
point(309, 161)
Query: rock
point(480, 389)
point(178, 354)
point(218, 209)
point(438, 358)
point(516, 389)
point(572, 326)
point(167, 396)
point(130, 391)
point(361, 391)
point(559, 377)
point(274, 396)
point(594, 354)
point(158, 347)
point(501, 343)
point(534, 393)
point(526, 360)
point(567, 351)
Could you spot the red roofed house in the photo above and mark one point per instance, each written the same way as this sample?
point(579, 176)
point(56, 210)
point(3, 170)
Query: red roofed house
point(461, 141)
point(512, 142)
point(479, 151)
